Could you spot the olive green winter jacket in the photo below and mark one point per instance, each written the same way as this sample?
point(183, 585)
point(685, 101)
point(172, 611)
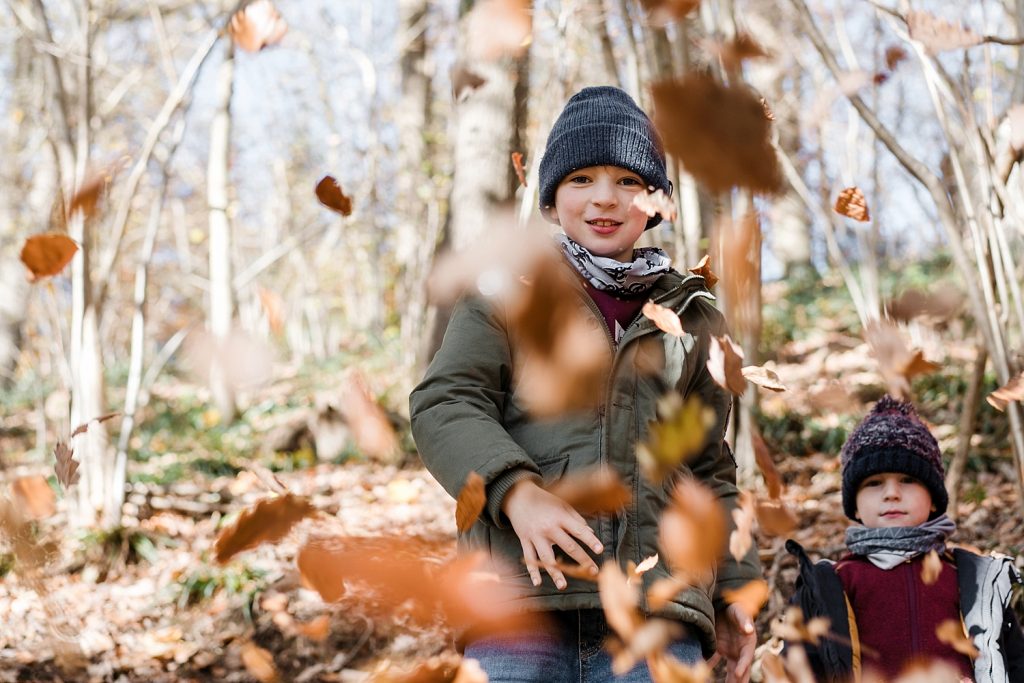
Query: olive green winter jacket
point(465, 418)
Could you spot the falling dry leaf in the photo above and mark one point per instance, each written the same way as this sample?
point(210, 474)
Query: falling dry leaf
point(65, 468)
point(734, 52)
point(517, 164)
point(442, 668)
point(719, 133)
point(1011, 391)
point(664, 11)
point(273, 308)
point(1015, 114)
point(665, 668)
point(592, 492)
point(951, 632)
point(741, 538)
point(257, 25)
point(763, 458)
point(896, 363)
point(938, 35)
point(498, 28)
point(47, 254)
point(679, 433)
point(653, 636)
point(894, 54)
point(664, 590)
point(471, 502)
point(931, 568)
point(738, 243)
point(259, 663)
point(851, 203)
point(464, 80)
point(646, 565)
point(576, 571)
point(692, 529)
point(913, 303)
point(793, 629)
point(267, 521)
point(763, 377)
point(373, 432)
point(84, 427)
point(35, 495)
point(654, 203)
point(725, 363)
point(329, 192)
point(750, 597)
point(774, 518)
point(704, 270)
point(665, 318)
point(620, 600)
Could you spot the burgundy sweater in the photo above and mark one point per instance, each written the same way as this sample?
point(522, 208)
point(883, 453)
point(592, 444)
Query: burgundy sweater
point(618, 312)
point(897, 614)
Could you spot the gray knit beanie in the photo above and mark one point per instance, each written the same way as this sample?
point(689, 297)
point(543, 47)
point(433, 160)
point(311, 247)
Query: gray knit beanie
point(602, 126)
point(892, 438)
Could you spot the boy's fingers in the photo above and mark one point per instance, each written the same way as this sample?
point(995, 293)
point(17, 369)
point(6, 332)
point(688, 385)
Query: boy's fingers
point(530, 558)
point(547, 558)
point(586, 534)
point(573, 549)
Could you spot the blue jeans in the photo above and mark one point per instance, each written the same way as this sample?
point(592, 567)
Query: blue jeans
point(570, 651)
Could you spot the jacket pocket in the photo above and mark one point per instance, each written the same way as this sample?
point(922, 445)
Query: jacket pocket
point(552, 467)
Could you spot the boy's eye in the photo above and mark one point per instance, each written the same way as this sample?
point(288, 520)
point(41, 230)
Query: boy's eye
point(907, 479)
point(872, 482)
point(579, 179)
point(631, 181)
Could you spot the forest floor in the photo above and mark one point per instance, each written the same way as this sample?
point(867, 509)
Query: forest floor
point(148, 603)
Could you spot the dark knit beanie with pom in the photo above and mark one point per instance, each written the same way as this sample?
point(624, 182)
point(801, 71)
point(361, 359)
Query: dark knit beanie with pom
point(602, 126)
point(892, 438)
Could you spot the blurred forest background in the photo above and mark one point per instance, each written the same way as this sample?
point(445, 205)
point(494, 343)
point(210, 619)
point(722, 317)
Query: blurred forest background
point(217, 227)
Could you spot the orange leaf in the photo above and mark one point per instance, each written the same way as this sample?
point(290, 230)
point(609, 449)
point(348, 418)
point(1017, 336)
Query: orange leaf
point(719, 133)
point(750, 597)
point(734, 52)
point(692, 529)
point(88, 196)
point(592, 492)
point(256, 26)
point(65, 468)
point(517, 164)
point(259, 663)
point(931, 568)
point(741, 538)
point(792, 627)
point(371, 429)
point(663, 590)
point(273, 307)
point(763, 377)
point(576, 571)
point(84, 427)
point(896, 363)
point(471, 502)
point(914, 303)
point(268, 521)
point(938, 35)
point(654, 203)
point(47, 254)
point(951, 632)
point(498, 28)
point(763, 458)
point(851, 203)
point(465, 79)
point(704, 270)
point(680, 433)
point(665, 11)
point(725, 363)
point(774, 518)
point(665, 318)
point(894, 54)
point(329, 192)
point(35, 495)
point(1011, 391)
point(619, 600)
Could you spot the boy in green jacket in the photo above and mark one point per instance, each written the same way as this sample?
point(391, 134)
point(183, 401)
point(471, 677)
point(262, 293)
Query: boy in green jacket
point(602, 152)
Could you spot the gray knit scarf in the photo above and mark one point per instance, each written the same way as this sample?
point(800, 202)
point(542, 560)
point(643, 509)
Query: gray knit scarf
point(617, 277)
point(891, 546)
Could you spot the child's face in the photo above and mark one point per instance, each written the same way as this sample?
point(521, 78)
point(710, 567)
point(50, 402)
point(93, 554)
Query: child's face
point(891, 499)
point(594, 206)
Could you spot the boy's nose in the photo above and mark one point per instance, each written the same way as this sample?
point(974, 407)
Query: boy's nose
point(892, 489)
point(604, 193)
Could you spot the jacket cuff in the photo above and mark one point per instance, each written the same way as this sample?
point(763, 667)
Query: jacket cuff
point(499, 488)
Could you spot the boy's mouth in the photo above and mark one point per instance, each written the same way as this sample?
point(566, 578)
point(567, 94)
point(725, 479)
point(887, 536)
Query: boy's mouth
point(604, 225)
point(893, 513)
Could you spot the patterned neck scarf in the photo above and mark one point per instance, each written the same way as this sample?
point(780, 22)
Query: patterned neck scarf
point(892, 546)
point(616, 277)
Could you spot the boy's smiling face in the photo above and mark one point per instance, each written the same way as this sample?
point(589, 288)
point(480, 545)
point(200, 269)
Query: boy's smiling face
point(594, 206)
point(891, 499)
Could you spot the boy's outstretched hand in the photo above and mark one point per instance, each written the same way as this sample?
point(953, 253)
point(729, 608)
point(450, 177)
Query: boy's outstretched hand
point(543, 520)
point(736, 643)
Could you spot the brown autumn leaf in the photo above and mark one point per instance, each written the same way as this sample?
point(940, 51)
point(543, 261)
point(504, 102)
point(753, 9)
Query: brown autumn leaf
point(35, 496)
point(763, 458)
point(664, 589)
point(268, 521)
point(662, 12)
point(896, 363)
point(665, 668)
point(774, 518)
point(718, 132)
point(692, 532)
point(592, 492)
point(471, 502)
point(738, 242)
point(653, 636)
point(576, 571)
point(704, 270)
point(734, 52)
point(65, 468)
point(47, 254)
point(763, 377)
point(751, 597)
point(793, 629)
point(259, 663)
point(894, 54)
point(931, 568)
point(442, 668)
point(87, 198)
point(273, 308)
point(951, 632)
point(371, 429)
point(464, 80)
point(725, 363)
point(768, 113)
point(679, 433)
point(664, 318)
point(831, 397)
point(330, 194)
point(1011, 391)
point(84, 427)
point(320, 570)
point(646, 565)
point(620, 600)
point(654, 203)
point(938, 35)
point(517, 164)
point(852, 204)
point(913, 303)
point(741, 538)
point(498, 28)
point(316, 630)
point(256, 26)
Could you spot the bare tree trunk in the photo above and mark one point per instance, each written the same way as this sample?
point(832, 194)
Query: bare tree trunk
point(968, 416)
point(221, 295)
